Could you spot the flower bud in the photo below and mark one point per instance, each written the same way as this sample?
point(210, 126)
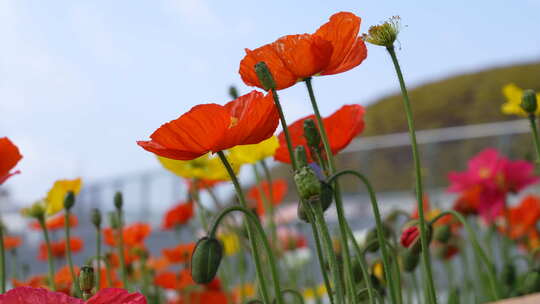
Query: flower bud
point(311, 133)
point(442, 233)
point(264, 75)
point(37, 210)
point(373, 240)
point(233, 92)
point(300, 156)
point(410, 238)
point(409, 260)
point(205, 259)
point(86, 279)
point(326, 198)
point(529, 102)
point(118, 200)
point(384, 34)
point(69, 200)
point(307, 183)
point(96, 217)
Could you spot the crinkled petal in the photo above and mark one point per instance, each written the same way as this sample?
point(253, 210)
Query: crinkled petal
point(283, 77)
point(116, 296)
point(30, 295)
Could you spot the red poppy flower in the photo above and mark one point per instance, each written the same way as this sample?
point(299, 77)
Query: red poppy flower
point(469, 201)
point(134, 235)
point(34, 281)
point(178, 215)
point(334, 48)
point(202, 297)
point(180, 253)
point(30, 295)
point(116, 296)
point(523, 218)
point(12, 242)
point(57, 222)
point(279, 189)
point(341, 127)
point(249, 119)
point(9, 157)
point(59, 248)
point(291, 239)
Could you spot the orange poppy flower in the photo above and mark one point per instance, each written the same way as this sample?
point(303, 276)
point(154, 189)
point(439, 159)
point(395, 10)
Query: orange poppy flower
point(180, 253)
point(158, 263)
point(9, 157)
point(57, 222)
point(134, 235)
point(59, 248)
point(37, 281)
point(103, 280)
point(12, 242)
point(523, 218)
point(249, 119)
point(63, 280)
point(279, 189)
point(202, 297)
point(176, 281)
point(341, 127)
point(178, 215)
point(334, 48)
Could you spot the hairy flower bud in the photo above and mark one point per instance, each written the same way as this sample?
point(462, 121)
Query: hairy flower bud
point(69, 200)
point(205, 259)
point(384, 34)
point(409, 260)
point(264, 75)
point(96, 217)
point(86, 279)
point(307, 183)
point(529, 102)
point(118, 200)
point(410, 238)
point(443, 233)
point(326, 198)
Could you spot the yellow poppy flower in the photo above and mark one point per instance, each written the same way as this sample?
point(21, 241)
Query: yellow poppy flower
point(250, 154)
point(204, 167)
point(513, 95)
point(378, 271)
point(309, 293)
point(231, 243)
point(55, 198)
point(247, 289)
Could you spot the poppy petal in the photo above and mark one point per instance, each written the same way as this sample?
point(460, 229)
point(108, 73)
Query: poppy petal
point(9, 157)
point(281, 74)
point(191, 135)
point(30, 295)
point(304, 55)
point(349, 50)
point(296, 131)
point(117, 296)
point(344, 125)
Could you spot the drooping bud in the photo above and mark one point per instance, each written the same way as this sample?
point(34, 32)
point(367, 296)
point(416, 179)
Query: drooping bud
point(384, 34)
point(326, 198)
point(69, 200)
point(86, 280)
point(529, 102)
point(264, 75)
point(410, 260)
point(311, 133)
point(442, 233)
point(372, 237)
point(96, 217)
point(205, 259)
point(233, 92)
point(410, 238)
point(118, 200)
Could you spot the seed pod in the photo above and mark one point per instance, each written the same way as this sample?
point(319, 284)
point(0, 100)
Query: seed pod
point(443, 233)
point(69, 200)
point(205, 260)
point(264, 75)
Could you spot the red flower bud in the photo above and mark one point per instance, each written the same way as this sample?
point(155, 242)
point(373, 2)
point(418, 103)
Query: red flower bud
point(409, 236)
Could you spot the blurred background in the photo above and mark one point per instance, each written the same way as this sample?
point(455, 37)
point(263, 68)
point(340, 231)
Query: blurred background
point(82, 81)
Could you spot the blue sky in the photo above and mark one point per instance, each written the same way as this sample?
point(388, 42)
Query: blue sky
point(81, 81)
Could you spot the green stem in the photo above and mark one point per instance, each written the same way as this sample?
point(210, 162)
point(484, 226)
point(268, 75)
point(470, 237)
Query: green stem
point(251, 236)
point(202, 210)
point(268, 203)
point(379, 227)
point(492, 277)
point(50, 261)
point(295, 293)
point(15, 263)
point(418, 173)
point(120, 237)
point(258, 227)
point(285, 129)
point(2, 260)
point(532, 120)
point(327, 245)
point(271, 210)
point(363, 268)
point(74, 276)
point(342, 221)
point(98, 256)
point(416, 288)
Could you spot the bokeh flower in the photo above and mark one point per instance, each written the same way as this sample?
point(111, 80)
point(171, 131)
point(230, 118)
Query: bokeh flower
point(9, 157)
point(231, 243)
point(273, 194)
point(205, 167)
point(178, 215)
point(334, 48)
point(58, 248)
point(251, 154)
point(249, 119)
point(55, 198)
point(180, 253)
point(56, 222)
point(134, 235)
point(513, 95)
point(523, 218)
point(341, 127)
point(12, 242)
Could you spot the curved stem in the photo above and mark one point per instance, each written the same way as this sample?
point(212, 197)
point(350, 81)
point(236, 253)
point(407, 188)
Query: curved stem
point(285, 129)
point(490, 267)
point(363, 268)
point(418, 174)
point(295, 293)
point(98, 256)
point(342, 221)
point(255, 222)
point(74, 276)
point(50, 261)
point(2, 260)
point(532, 120)
point(251, 236)
point(379, 227)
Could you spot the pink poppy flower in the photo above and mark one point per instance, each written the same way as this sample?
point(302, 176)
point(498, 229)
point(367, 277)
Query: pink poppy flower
point(30, 295)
